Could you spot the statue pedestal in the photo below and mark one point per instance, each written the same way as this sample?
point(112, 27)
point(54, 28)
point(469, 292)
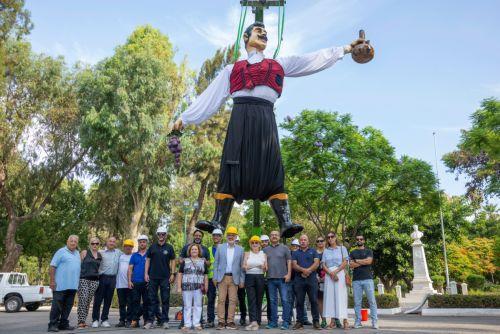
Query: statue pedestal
point(421, 284)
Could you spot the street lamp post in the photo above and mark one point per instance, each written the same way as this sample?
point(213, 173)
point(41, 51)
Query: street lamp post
point(441, 219)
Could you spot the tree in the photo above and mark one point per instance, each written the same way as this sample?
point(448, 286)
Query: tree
point(67, 214)
point(471, 256)
point(15, 20)
point(478, 154)
point(39, 145)
point(339, 176)
point(128, 101)
point(204, 143)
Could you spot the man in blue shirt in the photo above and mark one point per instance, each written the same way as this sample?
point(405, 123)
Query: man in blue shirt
point(305, 262)
point(64, 278)
point(137, 283)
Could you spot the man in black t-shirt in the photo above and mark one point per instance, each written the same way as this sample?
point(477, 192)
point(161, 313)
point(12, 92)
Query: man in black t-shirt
point(159, 273)
point(361, 260)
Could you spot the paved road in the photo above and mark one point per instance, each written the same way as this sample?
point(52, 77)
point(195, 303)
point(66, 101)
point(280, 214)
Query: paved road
point(36, 322)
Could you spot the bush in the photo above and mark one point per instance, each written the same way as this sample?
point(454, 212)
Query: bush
point(438, 282)
point(461, 301)
point(475, 281)
point(383, 301)
point(491, 287)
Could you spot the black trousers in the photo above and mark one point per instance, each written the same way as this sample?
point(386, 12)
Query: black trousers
point(255, 286)
point(251, 165)
point(302, 287)
point(164, 286)
point(62, 302)
point(140, 291)
point(104, 293)
point(211, 295)
point(125, 304)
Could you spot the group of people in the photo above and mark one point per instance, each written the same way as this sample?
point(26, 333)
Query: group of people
point(228, 275)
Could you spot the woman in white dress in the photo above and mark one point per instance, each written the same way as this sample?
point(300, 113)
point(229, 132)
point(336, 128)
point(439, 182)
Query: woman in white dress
point(334, 261)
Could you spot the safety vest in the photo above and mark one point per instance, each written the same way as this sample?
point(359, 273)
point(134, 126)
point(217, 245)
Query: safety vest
point(212, 260)
point(268, 72)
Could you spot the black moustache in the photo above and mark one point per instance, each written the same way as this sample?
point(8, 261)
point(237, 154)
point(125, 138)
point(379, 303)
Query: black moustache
point(263, 37)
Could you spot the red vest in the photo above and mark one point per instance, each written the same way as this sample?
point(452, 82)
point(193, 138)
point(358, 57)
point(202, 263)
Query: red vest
point(266, 73)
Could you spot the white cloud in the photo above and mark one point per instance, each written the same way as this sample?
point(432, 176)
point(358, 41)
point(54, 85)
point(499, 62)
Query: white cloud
point(304, 30)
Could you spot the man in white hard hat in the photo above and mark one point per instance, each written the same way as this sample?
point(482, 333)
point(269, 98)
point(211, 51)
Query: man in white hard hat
point(137, 283)
point(264, 240)
point(159, 273)
point(212, 290)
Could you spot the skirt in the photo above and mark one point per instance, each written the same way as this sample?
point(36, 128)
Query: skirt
point(251, 165)
point(335, 296)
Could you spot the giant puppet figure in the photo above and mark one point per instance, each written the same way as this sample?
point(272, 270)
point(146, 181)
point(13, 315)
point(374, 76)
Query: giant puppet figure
point(251, 166)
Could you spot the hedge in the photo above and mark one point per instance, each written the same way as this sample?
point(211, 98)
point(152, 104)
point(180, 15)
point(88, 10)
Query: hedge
point(383, 301)
point(475, 282)
point(461, 301)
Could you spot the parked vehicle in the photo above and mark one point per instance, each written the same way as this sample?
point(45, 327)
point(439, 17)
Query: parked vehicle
point(15, 292)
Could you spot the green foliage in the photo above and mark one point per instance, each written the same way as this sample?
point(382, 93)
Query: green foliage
point(471, 256)
point(438, 281)
point(461, 301)
point(129, 100)
point(479, 151)
point(15, 20)
point(486, 222)
point(383, 301)
point(475, 281)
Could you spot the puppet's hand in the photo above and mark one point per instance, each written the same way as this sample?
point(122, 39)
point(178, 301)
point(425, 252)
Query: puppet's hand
point(178, 125)
point(357, 41)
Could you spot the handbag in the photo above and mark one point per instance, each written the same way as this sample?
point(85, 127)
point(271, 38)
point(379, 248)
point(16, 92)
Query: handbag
point(348, 280)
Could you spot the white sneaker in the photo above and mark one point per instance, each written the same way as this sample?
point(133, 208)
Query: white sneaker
point(95, 324)
point(358, 326)
point(165, 325)
point(374, 325)
point(148, 325)
point(105, 324)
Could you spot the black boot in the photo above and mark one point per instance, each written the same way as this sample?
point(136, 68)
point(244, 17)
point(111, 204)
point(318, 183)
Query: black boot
point(282, 212)
point(223, 209)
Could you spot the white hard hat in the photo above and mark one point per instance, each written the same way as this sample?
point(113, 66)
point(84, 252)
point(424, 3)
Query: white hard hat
point(264, 238)
point(161, 229)
point(217, 231)
point(142, 237)
point(237, 238)
point(295, 242)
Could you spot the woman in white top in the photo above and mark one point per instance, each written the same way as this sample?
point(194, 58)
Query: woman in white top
point(254, 264)
point(333, 262)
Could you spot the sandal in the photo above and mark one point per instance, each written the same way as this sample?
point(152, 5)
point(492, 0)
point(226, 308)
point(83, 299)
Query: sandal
point(332, 324)
point(346, 324)
point(185, 329)
point(198, 328)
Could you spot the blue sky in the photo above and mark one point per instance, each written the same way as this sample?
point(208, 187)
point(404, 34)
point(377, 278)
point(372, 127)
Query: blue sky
point(435, 60)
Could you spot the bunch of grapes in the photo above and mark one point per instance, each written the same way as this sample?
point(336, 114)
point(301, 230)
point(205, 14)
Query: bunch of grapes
point(174, 146)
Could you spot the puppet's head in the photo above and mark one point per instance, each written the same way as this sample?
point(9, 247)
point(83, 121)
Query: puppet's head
point(255, 37)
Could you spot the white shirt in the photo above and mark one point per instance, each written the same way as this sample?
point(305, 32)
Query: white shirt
point(210, 101)
point(122, 277)
point(230, 257)
point(255, 260)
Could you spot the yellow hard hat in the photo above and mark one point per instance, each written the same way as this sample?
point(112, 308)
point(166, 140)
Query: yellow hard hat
point(254, 238)
point(128, 242)
point(231, 230)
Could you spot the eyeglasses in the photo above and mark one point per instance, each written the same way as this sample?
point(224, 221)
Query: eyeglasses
point(360, 239)
point(161, 234)
point(94, 243)
point(318, 241)
point(332, 236)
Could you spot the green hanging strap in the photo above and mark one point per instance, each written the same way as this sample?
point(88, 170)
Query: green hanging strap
point(281, 24)
point(236, 49)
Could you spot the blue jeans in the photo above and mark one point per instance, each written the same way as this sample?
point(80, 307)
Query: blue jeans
point(368, 287)
point(275, 285)
point(291, 303)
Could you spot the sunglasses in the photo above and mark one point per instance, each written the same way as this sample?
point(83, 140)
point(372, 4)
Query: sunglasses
point(318, 241)
point(359, 239)
point(161, 234)
point(332, 236)
point(255, 243)
point(94, 243)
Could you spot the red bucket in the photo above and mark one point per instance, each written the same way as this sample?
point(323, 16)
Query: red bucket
point(364, 315)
